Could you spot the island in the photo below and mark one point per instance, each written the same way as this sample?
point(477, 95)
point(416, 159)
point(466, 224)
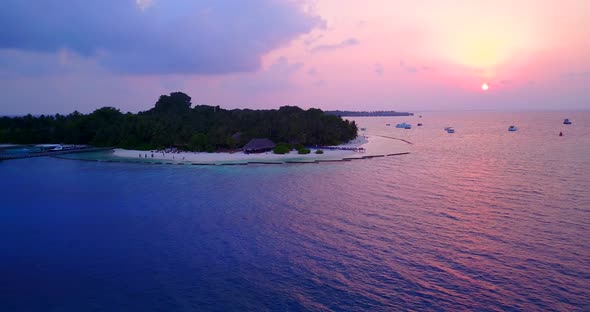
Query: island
point(174, 123)
point(175, 131)
point(367, 114)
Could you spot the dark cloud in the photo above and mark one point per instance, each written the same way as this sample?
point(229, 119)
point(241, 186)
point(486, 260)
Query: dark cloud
point(329, 47)
point(157, 36)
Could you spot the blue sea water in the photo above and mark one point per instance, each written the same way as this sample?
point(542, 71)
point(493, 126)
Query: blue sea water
point(483, 219)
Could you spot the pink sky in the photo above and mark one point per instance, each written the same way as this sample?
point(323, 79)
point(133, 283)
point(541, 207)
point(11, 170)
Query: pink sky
point(373, 55)
point(436, 54)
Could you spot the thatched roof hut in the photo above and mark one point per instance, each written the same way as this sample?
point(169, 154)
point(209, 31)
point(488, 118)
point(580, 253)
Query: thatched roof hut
point(259, 146)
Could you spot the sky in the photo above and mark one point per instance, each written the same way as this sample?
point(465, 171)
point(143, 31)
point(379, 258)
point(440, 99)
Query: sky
point(57, 56)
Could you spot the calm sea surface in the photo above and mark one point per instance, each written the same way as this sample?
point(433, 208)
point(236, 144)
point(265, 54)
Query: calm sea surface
point(482, 219)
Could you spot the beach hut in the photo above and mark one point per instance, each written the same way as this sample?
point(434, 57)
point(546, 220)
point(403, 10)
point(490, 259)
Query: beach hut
point(259, 146)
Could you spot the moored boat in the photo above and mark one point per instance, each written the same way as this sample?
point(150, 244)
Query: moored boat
point(567, 122)
point(512, 128)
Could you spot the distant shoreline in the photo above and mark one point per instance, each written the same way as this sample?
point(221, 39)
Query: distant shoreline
point(368, 114)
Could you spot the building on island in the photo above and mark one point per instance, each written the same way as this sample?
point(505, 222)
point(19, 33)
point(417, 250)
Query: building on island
point(258, 146)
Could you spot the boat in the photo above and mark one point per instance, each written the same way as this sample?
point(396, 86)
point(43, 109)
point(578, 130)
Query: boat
point(403, 125)
point(512, 128)
point(419, 125)
point(447, 128)
point(388, 125)
point(567, 122)
point(363, 129)
point(450, 130)
point(408, 126)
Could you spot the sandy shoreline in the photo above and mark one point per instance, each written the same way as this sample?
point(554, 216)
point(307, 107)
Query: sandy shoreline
point(373, 146)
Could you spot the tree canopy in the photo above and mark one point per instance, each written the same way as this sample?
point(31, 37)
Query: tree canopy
point(174, 122)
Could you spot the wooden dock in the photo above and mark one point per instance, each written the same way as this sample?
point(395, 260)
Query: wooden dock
point(54, 153)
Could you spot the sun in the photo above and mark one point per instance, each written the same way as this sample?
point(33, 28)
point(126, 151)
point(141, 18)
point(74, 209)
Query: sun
point(485, 87)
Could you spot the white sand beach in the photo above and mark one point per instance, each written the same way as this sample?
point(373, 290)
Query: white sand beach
point(373, 145)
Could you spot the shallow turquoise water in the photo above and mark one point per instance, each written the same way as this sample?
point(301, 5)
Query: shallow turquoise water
point(482, 219)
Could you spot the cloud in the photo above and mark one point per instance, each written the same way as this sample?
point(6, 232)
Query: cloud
point(505, 81)
point(413, 69)
point(312, 71)
point(576, 75)
point(156, 37)
point(409, 69)
point(329, 47)
point(24, 64)
point(319, 83)
point(428, 68)
point(144, 4)
point(378, 69)
point(276, 77)
point(312, 39)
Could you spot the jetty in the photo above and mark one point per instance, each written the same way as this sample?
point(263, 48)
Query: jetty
point(85, 149)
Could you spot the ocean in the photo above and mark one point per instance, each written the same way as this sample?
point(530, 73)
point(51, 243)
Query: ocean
point(479, 220)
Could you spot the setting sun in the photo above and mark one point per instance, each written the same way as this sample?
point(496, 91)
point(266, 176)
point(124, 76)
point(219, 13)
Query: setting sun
point(485, 87)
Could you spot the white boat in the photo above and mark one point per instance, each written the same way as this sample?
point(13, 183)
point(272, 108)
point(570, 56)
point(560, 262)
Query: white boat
point(567, 122)
point(512, 128)
point(450, 130)
point(403, 125)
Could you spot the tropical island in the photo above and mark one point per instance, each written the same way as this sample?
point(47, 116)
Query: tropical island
point(174, 123)
point(175, 131)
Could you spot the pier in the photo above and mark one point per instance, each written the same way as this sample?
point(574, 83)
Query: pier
point(53, 153)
